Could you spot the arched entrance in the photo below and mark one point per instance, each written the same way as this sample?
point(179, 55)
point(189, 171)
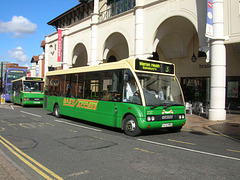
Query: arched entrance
point(112, 59)
point(116, 48)
point(79, 57)
point(176, 41)
point(176, 38)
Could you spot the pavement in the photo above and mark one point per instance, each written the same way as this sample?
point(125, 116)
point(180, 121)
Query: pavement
point(229, 128)
point(10, 170)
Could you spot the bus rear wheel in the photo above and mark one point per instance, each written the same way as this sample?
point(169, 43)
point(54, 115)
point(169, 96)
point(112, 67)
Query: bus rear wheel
point(130, 126)
point(21, 103)
point(56, 111)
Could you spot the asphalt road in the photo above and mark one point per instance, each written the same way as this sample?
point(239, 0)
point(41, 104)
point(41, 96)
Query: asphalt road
point(46, 147)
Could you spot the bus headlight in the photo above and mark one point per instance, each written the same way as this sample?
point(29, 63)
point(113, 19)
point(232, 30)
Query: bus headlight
point(181, 116)
point(150, 118)
point(26, 99)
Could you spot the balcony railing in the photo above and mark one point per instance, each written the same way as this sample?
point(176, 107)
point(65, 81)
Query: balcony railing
point(116, 8)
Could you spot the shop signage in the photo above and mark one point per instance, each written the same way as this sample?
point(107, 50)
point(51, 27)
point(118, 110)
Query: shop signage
point(59, 54)
point(209, 25)
point(204, 66)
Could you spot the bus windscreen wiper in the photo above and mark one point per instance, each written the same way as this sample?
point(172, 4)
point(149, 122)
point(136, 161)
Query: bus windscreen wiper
point(174, 104)
point(157, 105)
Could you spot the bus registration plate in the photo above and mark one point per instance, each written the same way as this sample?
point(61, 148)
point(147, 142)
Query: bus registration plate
point(167, 125)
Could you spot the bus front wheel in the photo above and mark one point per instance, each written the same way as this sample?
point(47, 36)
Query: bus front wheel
point(130, 126)
point(56, 111)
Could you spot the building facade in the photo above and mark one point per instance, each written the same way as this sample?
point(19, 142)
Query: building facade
point(2, 74)
point(101, 31)
point(38, 64)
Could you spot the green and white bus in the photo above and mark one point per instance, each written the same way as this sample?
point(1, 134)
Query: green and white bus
point(27, 91)
point(130, 94)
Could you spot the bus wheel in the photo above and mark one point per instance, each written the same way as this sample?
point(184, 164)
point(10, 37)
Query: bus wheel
point(56, 111)
point(130, 126)
point(21, 103)
point(174, 129)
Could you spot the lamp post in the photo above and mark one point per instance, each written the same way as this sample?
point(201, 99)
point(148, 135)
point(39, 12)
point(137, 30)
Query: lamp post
point(1, 77)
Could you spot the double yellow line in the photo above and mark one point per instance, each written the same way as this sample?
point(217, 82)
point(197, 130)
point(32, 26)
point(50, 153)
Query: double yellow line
point(25, 158)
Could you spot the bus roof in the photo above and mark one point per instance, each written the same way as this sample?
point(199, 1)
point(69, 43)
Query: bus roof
point(138, 65)
point(15, 69)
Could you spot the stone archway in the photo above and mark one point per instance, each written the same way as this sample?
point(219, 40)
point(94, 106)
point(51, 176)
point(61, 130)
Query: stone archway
point(112, 59)
point(176, 38)
point(79, 57)
point(115, 46)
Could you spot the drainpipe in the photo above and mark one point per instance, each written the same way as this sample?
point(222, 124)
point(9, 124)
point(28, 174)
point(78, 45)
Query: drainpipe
point(218, 65)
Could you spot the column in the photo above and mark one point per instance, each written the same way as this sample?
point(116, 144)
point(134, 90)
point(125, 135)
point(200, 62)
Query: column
point(95, 15)
point(139, 31)
point(218, 65)
point(65, 51)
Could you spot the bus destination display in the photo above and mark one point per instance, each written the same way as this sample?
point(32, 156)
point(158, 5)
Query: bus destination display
point(34, 78)
point(154, 67)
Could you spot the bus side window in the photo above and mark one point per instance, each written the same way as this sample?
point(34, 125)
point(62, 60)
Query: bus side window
point(130, 89)
point(51, 85)
point(111, 86)
point(20, 87)
point(68, 85)
point(46, 86)
point(80, 85)
point(92, 85)
point(106, 91)
point(57, 86)
point(62, 85)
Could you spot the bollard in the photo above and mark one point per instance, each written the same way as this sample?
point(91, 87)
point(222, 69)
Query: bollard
point(2, 99)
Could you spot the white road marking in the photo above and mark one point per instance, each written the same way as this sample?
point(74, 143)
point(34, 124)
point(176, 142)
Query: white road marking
point(191, 150)
point(79, 126)
point(30, 114)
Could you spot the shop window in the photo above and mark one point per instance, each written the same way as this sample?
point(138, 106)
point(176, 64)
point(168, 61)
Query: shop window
point(232, 92)
point(196, 89)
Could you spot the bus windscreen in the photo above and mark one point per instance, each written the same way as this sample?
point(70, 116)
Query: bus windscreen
point(14, 74)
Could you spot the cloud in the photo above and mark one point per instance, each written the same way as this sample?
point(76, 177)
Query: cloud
point(26, 65)
point(18, 54)
point(18, 26)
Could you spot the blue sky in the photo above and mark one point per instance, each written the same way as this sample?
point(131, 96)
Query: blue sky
point(23, 26)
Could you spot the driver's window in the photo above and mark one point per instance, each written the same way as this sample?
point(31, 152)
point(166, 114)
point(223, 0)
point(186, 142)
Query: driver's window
point(131, 90)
